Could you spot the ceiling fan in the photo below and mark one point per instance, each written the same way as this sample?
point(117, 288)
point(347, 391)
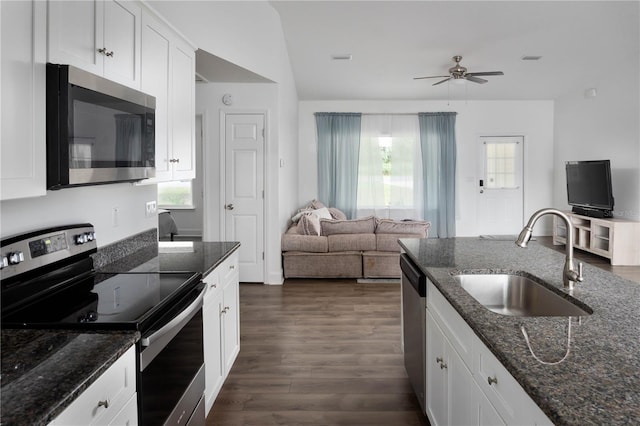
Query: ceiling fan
point(458, 72)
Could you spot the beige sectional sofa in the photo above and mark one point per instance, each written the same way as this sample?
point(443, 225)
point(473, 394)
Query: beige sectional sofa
point(317, 247)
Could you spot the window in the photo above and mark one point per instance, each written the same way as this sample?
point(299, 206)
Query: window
point(390, 167)
point(175, 194)
point(501, 165)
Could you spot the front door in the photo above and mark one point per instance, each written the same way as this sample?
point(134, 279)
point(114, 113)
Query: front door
point(244, 191)
point(500, 185)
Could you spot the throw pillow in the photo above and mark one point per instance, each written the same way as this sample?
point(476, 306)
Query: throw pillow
point(322, 213)
point(365, 225)
point(309, 224)
point(315, 204)
point(337, 214)
point(389, 226)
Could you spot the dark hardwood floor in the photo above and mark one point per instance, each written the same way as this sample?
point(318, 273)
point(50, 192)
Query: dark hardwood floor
point(318, 352)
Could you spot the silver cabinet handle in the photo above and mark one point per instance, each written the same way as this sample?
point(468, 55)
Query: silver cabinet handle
point(492, 380)
point(104, 52)
point(228, 206)
point(104, 403)
point(439, 360)
point(443, 365)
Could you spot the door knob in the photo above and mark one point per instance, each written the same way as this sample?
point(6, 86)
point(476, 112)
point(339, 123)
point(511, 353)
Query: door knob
point(228, 206)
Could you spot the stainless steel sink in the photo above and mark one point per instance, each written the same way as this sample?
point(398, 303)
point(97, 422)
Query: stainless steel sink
point(516, 295)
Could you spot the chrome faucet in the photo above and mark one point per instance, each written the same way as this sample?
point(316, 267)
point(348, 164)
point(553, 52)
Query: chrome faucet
point(570, 275)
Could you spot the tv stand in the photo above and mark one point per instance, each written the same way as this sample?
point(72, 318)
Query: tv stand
point(616, 239)
point(585, 211)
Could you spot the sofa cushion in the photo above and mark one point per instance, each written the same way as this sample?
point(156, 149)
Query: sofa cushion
point(388, 226)
point(389, 242)
point(309, 224)
point(293, 241)
point(322, 213)
point(365, 225)
point(351, 242)
point(326, 265)
point(379, 264)
point(315, 204)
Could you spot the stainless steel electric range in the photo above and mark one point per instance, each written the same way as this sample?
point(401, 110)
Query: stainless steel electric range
point(48, 281)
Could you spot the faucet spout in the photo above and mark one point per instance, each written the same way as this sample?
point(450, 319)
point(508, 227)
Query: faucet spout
point(570, 275)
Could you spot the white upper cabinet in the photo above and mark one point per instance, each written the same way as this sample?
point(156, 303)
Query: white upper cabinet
point(168, 73)
point(99, 36)
point(22, 99)
point(183, 99)
point(156, 48)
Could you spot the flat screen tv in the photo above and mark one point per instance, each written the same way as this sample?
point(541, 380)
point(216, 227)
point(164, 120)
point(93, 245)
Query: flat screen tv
point(589, 188)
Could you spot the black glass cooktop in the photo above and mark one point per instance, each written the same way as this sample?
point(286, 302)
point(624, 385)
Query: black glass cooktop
point(104, 301)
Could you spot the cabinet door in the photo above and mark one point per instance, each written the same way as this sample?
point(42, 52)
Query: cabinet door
point(155, 81)
point(22, 98)
point(460, 389)
point(76, 31)
point(437, 409)
point(231, 322)
point(122, 42)
point(212, 339)
point(183, 112)
point(482, 412)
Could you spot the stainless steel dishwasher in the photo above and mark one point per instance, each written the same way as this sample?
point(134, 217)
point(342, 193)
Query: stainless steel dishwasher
point(414, 297)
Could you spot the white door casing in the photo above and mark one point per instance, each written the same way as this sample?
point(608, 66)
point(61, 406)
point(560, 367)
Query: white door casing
point(500, 185)
point(244, 191)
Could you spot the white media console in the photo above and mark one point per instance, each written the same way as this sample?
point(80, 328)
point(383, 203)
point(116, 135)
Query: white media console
point(616, 239)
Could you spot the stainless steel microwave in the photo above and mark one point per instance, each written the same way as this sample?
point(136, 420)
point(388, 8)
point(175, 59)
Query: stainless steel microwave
point(98, 131)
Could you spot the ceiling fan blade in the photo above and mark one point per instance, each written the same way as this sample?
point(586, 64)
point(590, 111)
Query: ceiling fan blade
point(475, 79)
point(485, 73)
point(432, 76)
point(442, 81)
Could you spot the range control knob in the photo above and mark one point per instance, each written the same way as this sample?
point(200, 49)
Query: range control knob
point(80, 238)
point(16, 257)
point(4, 262)
point(90, 236)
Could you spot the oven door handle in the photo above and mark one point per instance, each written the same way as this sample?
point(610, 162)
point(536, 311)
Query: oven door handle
point(175, 325)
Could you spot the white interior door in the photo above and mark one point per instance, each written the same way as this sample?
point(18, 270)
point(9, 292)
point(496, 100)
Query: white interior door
point(244, 191)
point(500, 185)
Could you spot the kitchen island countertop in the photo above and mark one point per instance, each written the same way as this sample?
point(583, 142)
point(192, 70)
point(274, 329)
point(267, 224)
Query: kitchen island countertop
point(599, 381)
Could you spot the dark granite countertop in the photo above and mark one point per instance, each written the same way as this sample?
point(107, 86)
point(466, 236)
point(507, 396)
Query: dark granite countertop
point(174, 256)
point(599, 382)
point(43, 371)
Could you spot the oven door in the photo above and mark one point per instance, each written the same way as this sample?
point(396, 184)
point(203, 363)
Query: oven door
point(171, 373)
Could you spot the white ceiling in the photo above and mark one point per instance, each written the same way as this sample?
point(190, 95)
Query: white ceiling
point(581, 43)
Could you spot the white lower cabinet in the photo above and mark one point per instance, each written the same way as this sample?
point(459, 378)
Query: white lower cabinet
point(221, 326)
point(449, 381)
point(110, 400)
point(466, 384)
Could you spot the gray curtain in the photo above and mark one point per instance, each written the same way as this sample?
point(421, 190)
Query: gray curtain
point(438, 143)
point(338, 151)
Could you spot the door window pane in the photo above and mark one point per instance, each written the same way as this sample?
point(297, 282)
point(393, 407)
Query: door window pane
point(501, 165)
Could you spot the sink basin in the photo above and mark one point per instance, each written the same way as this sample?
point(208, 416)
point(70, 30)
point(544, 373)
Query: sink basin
point(515, 295)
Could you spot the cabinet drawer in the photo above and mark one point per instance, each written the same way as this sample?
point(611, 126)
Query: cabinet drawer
point(128, 416)
point(452, 324)
point(104, 399)
point(228, 268)
point(511, 402)
point(212, 281)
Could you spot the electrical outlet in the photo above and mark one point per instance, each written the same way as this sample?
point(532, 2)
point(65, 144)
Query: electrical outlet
point(151, 209)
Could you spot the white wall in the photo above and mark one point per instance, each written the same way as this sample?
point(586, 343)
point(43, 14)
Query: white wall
point(600, 128)
point(93, 204)
point(249, 34)
point(533, 119)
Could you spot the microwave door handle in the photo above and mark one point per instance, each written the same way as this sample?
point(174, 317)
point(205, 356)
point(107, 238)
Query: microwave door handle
point(175, 325)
